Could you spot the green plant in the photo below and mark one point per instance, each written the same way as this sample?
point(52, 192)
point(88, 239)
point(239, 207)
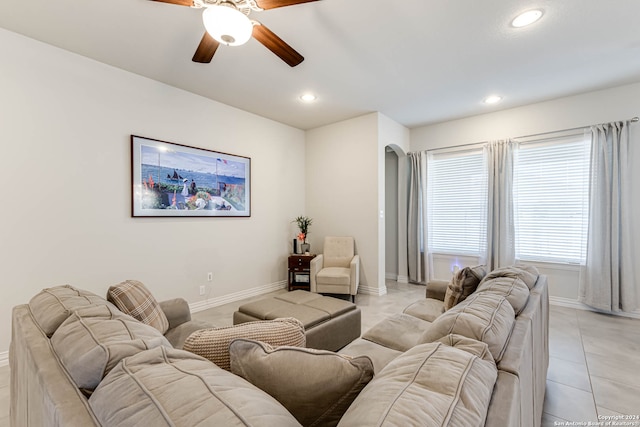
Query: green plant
point(303, 222)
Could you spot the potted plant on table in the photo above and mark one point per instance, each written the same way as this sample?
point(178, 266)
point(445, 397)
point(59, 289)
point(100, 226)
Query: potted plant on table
point(304, 222)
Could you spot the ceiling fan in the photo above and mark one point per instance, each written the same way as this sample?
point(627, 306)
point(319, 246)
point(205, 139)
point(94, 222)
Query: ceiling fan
point(227, 22)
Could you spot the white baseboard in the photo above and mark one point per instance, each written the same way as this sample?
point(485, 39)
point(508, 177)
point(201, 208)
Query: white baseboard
point(370, 290)
point(571, 303)
point(236, 296)
point(396, 277)
point(4, 358)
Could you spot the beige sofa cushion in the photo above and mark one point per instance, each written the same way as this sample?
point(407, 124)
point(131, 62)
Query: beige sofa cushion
point(399, 332)
point(52, 306)
point(316, 386)
point(213, 343)
point(463, 284)
point(475, 347)
point(434, 383)
point(426, 309)
point(527, 273)
point(133, 298)
point(379, 355)
point(169, 387)
point(514, 289)
point(484, 316)
point(93, 340)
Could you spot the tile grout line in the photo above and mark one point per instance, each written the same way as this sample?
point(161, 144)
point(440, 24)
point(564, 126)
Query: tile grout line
point(586, 363)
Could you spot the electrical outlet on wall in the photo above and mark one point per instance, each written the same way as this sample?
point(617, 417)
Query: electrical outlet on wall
point(203, 290)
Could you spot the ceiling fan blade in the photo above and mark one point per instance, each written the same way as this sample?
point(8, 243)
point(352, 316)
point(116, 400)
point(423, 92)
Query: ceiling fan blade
point(206, 49)
point(272, 4)
point(178, 2)
point(276, 45)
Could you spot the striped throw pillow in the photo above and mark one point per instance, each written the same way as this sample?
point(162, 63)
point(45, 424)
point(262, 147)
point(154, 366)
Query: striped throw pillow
point(133, 298)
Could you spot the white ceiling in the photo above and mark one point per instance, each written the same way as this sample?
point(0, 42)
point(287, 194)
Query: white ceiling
point(416, 61)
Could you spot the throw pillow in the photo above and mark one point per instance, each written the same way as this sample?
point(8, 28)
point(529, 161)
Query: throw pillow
point(316, 386)
point(133, 298)
point(463, 284)
point(213, 343)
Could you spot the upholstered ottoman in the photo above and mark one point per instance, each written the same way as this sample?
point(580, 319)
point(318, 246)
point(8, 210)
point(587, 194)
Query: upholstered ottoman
point(329, 323)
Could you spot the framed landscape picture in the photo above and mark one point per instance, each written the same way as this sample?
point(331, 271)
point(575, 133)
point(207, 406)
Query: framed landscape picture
point(177, 180)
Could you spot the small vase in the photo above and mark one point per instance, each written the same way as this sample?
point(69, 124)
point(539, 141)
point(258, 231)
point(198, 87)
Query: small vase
point(306, 247)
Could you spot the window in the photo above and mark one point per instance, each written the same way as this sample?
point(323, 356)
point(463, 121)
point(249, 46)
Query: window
point(551, 197)
point(457, 202)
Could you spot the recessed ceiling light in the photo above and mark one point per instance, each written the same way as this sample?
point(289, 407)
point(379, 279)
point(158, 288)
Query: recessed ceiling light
point(308, 97)
point(527, 18)
point(492, 99)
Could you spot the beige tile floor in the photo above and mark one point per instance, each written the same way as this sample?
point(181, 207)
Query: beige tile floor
point(594, 367)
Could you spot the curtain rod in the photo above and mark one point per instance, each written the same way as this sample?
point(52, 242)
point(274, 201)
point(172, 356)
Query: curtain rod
point(632, 120)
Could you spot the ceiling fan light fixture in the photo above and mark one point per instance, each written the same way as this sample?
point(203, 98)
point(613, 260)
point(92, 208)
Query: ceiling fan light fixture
point(227, 25)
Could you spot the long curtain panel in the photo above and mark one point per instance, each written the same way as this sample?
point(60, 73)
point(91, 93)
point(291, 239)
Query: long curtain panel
point(416, 218)
point(500, 251)
point(607, 278)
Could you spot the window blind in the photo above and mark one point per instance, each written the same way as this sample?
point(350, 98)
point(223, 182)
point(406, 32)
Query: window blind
point(551, 197)
point(457, 202)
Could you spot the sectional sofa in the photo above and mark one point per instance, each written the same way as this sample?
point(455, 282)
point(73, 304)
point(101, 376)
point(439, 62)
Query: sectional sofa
point(481, 362)
point(509, 311)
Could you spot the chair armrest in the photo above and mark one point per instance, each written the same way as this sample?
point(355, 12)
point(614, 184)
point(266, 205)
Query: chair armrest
point(177, 311)
point(315, 266)
point(354, 266)
point(437, 289)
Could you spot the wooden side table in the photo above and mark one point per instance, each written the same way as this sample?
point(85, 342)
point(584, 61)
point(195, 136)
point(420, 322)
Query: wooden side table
point(300, 272)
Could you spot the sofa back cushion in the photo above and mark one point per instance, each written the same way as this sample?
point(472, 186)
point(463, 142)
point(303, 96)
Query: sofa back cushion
point(133, 298)
point(213, 343)
point(475, 347)
point(514, 289)
point(52, 306)
point(169, 387)
point(484, 316)
point(527, 273)
point(434, 383)
point(463, 284)
point(94, 339)
point(316, 386)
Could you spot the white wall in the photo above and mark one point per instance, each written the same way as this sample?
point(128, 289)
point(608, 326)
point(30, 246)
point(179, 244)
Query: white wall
point(341, 189)
point(65, 123)
point(621, 103)
point(345, 188)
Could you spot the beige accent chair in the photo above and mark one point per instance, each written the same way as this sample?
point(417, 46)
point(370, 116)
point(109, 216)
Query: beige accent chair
point(337, 270)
